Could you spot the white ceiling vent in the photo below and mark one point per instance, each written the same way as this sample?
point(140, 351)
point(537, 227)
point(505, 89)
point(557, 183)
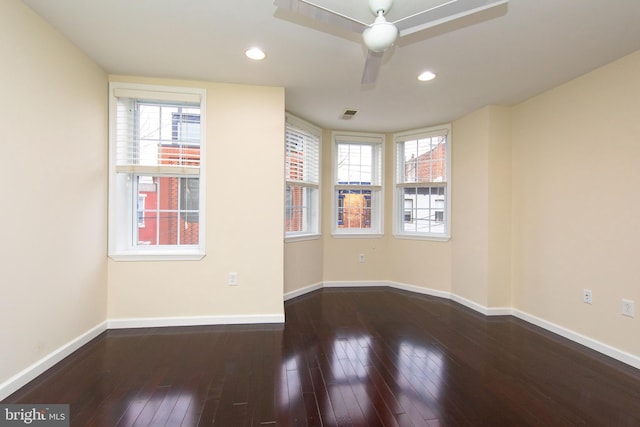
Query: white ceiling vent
point(349, 114)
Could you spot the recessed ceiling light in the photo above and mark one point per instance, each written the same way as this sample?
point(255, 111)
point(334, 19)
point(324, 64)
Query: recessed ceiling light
point(426, 76)
point(255, 53)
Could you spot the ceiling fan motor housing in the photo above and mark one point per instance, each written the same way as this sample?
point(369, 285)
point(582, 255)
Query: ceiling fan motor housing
point(376, 5)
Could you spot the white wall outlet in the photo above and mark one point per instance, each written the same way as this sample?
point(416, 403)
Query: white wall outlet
point(233, 279)
point(361, 258)
point(587, 298)
point(627, 307)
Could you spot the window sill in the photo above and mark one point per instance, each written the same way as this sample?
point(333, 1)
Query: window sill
point(302, 237)
point(158, 256)
point(433, 238)
point(357, 235)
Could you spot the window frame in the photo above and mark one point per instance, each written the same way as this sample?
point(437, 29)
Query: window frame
point(376, 190)
point(314, 189)
point(123, 197)
point(398, 191)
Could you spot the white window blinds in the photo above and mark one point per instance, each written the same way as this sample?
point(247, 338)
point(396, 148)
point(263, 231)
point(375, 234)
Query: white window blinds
point(157, 133)
point(302, 153)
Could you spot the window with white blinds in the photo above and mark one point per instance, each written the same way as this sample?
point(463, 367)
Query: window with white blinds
point(302, 178)
point(156, 193)
point(358, 177)
point(422, 194)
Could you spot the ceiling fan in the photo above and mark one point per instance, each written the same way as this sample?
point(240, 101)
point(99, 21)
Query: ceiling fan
point(382, 34)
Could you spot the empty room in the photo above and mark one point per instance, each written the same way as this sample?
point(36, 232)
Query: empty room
point(320, 213)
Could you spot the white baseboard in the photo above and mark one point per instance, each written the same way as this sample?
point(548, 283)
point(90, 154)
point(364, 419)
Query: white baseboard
point(356, 284)
point(302, 291)
point(617, 354)
point(420, 290)
point(31, 372)
point(598, 346)
point(487, 311)
point(155, 322)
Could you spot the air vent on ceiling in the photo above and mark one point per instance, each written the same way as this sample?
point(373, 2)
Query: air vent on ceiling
point(349, 114)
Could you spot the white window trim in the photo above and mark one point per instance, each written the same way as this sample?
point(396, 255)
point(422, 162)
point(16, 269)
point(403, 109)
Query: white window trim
point(302, 237)
point(317, 131)
point(364, 138)
point(398, 208)
point(120, 247)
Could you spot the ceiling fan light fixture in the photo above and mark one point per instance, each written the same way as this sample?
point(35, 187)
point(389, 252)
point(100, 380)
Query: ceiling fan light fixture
point(255, 53)
point(380, 35)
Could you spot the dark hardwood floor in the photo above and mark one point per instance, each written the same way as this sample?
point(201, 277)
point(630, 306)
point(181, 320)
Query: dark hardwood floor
point(345, 357)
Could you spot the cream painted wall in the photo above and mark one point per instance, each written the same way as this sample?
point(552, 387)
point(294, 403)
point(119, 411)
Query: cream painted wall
point(481, 211)
point(245, 199)
point(470, 206)
point(303, 261)
point(420, 263)
point(499, 222)
point(54, 175)
point(341, 260)
point(576, 177)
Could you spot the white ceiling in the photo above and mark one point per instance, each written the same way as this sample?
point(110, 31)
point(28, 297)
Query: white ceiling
point(500, 56)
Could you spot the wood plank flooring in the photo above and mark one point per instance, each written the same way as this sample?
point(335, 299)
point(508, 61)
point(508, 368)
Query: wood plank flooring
point(345, 357)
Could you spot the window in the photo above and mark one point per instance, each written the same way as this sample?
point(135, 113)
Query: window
point(302, 178)
point(422, 191)
point(357, 184)
point(156, 147)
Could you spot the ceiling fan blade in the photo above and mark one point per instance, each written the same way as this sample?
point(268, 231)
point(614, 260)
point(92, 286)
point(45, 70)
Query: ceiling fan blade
point(445, 12)
point(371, 67)
point(321, 14)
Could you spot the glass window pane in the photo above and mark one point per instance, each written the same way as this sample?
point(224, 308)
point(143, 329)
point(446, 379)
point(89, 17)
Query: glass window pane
point(423, 160)
point(167, 135)
point(426, 206)
point(169, 214)
point(355, 163)
point(354, 208)
point(298, 201)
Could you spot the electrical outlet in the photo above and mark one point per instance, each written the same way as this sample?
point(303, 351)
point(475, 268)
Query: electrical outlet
point(361, 258)
point(587, 298)
point(233, 279)
point(627, 307)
